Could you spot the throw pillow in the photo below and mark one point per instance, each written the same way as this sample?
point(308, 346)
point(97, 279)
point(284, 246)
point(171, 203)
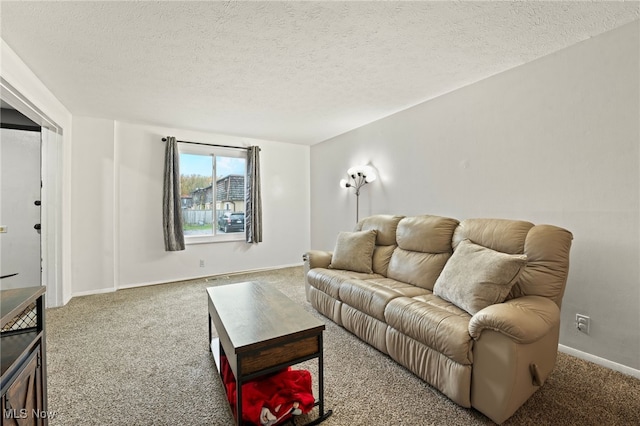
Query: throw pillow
point(476, 277)
point(354, 251)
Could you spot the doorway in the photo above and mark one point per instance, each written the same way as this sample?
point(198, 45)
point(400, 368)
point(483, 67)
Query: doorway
point(20, 200)
point(43, 199)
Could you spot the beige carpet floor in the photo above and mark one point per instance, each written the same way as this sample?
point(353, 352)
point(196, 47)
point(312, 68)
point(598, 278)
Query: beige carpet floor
point(141, 357)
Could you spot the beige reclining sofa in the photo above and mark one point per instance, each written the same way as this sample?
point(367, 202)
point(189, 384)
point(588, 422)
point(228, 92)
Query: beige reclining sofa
point(471, 307)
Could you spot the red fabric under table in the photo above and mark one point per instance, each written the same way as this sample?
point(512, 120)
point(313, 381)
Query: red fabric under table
point(270, 399)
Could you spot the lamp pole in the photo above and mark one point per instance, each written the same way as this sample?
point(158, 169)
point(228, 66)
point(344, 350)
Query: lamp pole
point(358, 177)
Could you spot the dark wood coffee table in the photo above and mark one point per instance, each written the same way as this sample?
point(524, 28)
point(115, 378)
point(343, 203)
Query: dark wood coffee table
point(262, 331)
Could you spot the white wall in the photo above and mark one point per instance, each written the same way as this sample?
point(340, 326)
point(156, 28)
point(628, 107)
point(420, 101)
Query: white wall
point(117, 209)
point(553, 141)
point(93, 197)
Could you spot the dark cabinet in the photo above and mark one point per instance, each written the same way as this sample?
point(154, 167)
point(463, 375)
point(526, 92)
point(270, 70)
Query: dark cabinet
point(22, 333)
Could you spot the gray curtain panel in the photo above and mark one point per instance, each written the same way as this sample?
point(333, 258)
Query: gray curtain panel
point(253, 209)
point(171, 205)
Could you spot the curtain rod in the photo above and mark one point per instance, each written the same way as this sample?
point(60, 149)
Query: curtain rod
point(210, 144)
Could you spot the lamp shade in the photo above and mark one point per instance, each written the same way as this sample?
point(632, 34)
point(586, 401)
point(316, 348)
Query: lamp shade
point(344, 183)
point(369, 173)
point(364, 170)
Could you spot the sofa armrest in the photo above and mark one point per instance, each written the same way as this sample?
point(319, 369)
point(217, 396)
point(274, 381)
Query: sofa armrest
point(515, 349)
point(524, 319)
point(317, 259)
point(314, 259)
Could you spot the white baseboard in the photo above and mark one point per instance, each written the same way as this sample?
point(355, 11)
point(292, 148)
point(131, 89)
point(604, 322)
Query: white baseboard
point(90, 292)
point(600, 361)
point(144, 284)
point(211, 277)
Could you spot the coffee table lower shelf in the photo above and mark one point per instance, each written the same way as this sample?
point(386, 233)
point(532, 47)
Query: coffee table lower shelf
point(215, 351)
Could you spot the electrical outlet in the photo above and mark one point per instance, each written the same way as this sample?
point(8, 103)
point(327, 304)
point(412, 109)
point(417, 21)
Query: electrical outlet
point(583, 323)
point(202, 263)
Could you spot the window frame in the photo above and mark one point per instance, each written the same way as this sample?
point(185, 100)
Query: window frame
point(214, 151)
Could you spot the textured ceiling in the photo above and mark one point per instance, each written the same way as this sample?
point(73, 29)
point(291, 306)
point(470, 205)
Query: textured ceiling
point(299, 72)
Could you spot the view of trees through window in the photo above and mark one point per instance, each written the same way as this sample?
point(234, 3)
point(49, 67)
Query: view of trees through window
point(208, 207)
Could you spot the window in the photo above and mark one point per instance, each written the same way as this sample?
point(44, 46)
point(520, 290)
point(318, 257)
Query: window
point(212, 209)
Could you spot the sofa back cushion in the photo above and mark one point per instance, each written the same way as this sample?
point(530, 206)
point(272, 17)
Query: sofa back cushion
point(424, 245)
point(385, 227)
point(546, 247)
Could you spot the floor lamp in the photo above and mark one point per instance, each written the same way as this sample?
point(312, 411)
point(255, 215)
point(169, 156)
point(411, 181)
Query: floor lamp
point(359, 176)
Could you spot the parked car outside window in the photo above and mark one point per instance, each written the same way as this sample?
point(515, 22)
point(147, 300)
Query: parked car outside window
point(231, 222)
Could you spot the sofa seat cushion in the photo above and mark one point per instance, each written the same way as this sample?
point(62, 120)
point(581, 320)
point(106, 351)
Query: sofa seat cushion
point(404, 289)
point(433, 322)
point(367, 297)
point(329, 280)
